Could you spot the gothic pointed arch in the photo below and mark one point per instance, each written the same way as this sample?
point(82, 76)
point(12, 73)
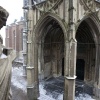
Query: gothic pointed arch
point(44, 20)
point(88, 39)
point(49, 36)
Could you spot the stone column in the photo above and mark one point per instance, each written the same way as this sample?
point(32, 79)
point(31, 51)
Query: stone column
point(97, 75)
point(24, 51)
point(32, 59)
point(70, 64)
point(70, 54)
point(36, 80)
point(39, 58)
point(25, 32)
point(97, 71)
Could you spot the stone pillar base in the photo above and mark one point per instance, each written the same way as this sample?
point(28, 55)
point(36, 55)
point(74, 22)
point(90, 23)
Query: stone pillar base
point(33, 92)
point(97, 92)
point(69, 92)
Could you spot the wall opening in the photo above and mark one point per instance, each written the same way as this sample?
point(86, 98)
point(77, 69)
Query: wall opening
point(80, 66)
point(63, 67)
point(86, 52)
point(52, 49)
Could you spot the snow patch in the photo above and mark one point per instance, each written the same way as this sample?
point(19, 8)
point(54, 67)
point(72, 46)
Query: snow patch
point(84, 97)
point(17, 78)
point(3, 56)
point(20, 82)
point(43, 94)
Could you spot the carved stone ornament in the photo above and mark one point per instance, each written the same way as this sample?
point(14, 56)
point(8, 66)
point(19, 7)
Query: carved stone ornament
point(3, 17)
point(47, 5)
point(89, 5)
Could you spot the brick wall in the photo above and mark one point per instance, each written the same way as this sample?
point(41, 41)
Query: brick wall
point(14, 36)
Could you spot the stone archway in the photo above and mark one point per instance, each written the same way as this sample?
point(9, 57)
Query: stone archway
point(88, 50)
point(48, 47)
point(53, 49)
point(52, 24)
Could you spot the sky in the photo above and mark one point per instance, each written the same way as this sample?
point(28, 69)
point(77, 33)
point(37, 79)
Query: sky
point(14, 7)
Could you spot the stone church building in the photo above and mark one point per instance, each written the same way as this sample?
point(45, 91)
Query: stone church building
point(63, 40)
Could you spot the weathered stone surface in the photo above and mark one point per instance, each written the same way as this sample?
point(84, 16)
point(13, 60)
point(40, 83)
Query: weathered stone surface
point(67, 30)
point(3, 17)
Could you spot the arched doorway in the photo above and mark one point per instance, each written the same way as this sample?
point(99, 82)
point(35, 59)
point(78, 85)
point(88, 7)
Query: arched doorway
point(51, 49)
point(50, 34)
point(80, 64)
point(86, 51)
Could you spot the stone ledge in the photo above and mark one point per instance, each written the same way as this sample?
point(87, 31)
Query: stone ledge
point(70, 78)
point(29, 67)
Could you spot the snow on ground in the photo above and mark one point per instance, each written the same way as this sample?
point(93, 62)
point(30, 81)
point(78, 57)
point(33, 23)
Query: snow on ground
point(18, 80)
point(84, 97)
point(45, 96)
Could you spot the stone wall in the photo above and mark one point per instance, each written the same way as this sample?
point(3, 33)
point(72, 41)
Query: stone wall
point(68, 15)
point(14, 36)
